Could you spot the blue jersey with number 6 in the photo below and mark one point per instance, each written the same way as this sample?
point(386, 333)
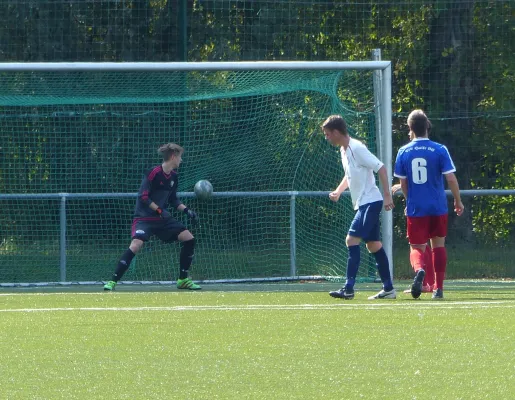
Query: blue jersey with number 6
point(423, 163)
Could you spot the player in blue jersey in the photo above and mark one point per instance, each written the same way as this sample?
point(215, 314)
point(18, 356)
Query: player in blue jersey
point(429, 278)
point(421, 167)
point(158, 190)
point(359, 165)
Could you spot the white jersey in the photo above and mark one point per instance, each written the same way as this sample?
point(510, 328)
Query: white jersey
point(359, 165)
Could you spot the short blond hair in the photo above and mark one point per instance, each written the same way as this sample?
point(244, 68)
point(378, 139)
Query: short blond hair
point(169, 149)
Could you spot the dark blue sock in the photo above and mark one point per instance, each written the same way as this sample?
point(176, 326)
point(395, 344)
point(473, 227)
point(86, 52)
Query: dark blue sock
point(383, 268)
point(352, 267)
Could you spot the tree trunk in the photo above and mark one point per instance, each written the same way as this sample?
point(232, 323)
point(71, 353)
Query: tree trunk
point(454, 94)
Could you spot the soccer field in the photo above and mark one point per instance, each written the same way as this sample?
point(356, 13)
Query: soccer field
point(282, 341)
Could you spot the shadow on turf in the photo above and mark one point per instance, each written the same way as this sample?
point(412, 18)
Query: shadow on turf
point(493, 298)
point(451, 296)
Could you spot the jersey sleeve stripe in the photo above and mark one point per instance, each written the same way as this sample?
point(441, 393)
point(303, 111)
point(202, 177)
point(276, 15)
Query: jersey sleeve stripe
point(448, 172)
point(450, 159)
point(399, 176)
point(153, 173)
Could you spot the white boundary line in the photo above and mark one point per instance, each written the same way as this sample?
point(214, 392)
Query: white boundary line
point(293, 307)
point(97, 293)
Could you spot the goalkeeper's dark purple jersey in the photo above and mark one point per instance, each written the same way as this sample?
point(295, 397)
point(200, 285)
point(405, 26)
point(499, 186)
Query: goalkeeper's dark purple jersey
point(159, 188)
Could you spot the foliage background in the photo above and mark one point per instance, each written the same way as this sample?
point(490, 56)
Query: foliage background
point(455, 59)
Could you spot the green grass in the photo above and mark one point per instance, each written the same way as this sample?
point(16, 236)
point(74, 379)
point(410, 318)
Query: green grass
point(257, 342)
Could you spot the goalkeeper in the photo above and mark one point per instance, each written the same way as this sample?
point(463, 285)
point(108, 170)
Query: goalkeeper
point(151, 217)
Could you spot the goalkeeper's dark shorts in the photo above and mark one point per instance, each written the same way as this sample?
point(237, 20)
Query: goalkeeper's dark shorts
point(165, 229)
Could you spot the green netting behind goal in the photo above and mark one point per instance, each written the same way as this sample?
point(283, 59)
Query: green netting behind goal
point(96, 132)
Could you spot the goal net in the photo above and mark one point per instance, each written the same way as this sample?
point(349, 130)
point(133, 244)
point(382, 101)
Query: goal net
point(75, 143)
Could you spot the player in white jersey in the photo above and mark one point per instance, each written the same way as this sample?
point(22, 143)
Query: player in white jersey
point(359, 165)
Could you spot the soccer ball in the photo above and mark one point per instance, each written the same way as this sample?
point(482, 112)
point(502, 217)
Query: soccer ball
point(203, 190)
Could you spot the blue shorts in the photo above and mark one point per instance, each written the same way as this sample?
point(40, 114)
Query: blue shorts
point(365, 224)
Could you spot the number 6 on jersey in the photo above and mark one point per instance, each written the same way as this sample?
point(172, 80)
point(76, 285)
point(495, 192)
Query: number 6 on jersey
point(418, 166)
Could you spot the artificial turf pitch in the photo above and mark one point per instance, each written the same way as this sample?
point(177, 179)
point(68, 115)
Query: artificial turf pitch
point(257, 342)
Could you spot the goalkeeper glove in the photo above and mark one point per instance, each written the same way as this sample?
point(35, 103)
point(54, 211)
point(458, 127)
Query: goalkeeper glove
point(191, 214)
point(164, 214)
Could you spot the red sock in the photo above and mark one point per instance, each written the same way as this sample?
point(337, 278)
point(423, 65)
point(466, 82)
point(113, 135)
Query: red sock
point(429, 279)
point(416, 257)
point(440, 264)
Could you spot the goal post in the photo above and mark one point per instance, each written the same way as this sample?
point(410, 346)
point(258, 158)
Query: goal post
point(79, 135)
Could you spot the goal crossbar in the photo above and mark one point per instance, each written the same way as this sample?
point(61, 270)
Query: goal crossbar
point(196, 66)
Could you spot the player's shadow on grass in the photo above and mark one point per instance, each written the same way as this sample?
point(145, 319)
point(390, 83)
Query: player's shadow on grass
point(493, 298)
point(498, 296)
point(421, 299)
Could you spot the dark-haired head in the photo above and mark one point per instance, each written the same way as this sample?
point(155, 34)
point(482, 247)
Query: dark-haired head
point(418, 123)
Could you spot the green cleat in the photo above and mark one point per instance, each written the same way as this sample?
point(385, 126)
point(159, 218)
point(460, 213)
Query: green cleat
point(187, 283)
point(110, 285)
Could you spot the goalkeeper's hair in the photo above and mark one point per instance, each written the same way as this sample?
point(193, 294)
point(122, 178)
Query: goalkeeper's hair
point(418, 123)
point(168, 150)
point(335, 122)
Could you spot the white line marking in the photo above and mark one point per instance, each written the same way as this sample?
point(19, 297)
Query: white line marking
point(294, 307)
point(99, 293)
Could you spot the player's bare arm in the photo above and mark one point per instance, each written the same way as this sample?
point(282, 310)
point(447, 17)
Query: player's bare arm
point(342, 187)
point(383, 178)
point(396, 188)
point(404, 187)
point(452, 182)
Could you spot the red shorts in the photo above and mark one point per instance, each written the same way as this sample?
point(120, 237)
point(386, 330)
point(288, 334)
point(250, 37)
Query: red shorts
point(421, 229)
